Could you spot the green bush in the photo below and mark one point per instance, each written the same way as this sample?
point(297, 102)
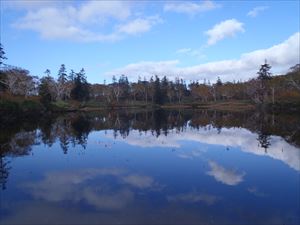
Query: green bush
point(31, 106)
point(9, 106)
point(19, 108)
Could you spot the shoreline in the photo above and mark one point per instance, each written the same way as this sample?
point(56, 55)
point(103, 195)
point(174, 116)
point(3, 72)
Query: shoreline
point(29, 106)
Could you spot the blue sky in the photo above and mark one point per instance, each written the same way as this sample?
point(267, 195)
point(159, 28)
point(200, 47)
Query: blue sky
point(194, 40)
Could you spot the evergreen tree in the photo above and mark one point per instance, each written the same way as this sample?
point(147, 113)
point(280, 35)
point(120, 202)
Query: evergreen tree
point(47, 72)
point(45, 90)
point(62, 82)
point(80, 91)
point(264, 72)
point(264, 75)
point(124, 85)
point(219, 82)
point(2, 55)
point(3, 85)
point(164, 89)
point(62, 74)
point(157, 91)
point(114, 79)
point(71, 75)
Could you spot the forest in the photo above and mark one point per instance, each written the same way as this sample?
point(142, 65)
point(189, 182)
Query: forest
point(66, 90)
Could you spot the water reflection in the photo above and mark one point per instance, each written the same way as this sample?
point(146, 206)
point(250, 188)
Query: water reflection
point(91, 186)
point(277, 136)
point(4, 171)
point(150, 166)
point(224, 175)
point(232, 137)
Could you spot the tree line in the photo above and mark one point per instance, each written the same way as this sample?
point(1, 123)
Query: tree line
point(71, 85)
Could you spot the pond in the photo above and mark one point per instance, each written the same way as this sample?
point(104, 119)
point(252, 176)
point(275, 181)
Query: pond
point(151, 167)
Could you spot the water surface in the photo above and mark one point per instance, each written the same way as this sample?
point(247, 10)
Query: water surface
point(157, 167)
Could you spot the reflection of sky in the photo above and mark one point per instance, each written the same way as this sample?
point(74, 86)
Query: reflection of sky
point(233, 137)
point(187, 177)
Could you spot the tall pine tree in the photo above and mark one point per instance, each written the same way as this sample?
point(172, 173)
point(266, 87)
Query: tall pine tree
point(80, 91)
point(264, 71)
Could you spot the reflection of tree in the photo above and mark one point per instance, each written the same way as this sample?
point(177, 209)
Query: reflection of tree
point(4, 168)
point(74, 128)
point(64, 143)
point(20, 143)
point(264, 141)
point(81, 127)
point(263, 133)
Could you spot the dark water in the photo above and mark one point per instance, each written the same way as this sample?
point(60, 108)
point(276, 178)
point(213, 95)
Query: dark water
point(162, 167)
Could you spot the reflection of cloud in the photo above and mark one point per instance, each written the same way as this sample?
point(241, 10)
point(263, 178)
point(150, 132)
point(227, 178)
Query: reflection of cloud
point(223, 175)
point(148, 140)
point(107, 199)
point(80, 185)
point(235, 137)
point(190, 154)
point(194, 197)
point(256, 192)
point(139, 181)
point(58, 186)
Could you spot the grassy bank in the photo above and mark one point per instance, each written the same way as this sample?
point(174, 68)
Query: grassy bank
point(28, 106)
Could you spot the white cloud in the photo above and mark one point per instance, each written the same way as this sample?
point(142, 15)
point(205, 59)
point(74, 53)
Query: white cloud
point(190, 8)
point(255, 11)
point(147, 69)
point(227, 28)
point(281, 57)
point(139, 25)
point(224, 175)
point(85, 21)
point(102, 10)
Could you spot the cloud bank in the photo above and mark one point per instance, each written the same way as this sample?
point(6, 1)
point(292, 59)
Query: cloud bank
point(281, 56)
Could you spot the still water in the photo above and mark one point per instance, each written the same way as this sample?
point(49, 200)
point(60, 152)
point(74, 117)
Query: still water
point(157, 167)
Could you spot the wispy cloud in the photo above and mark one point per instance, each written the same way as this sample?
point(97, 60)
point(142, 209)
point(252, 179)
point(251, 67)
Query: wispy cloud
point(183, 50)
point(139, 25)
point(255, 11)
point(30, 4)
point(139, 181)
point(256, 192)
point(227, 28)
point(190, 8)
point(191, 52)
point(194, 197)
